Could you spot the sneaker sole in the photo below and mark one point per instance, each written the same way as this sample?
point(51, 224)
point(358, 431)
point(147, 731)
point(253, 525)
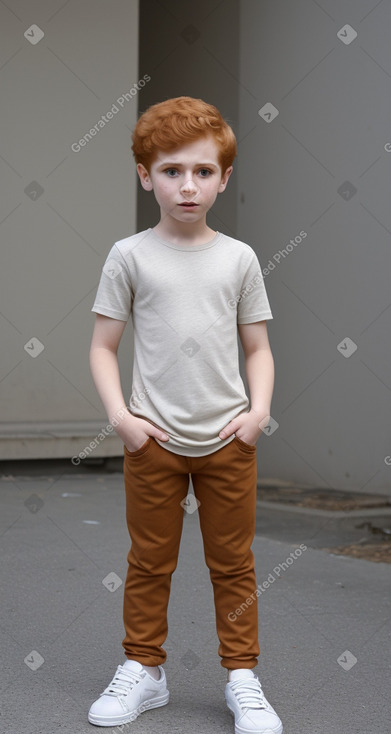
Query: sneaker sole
point(152, 703)
point(240, 730)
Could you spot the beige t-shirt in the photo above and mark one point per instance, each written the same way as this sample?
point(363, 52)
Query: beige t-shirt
point(185, 302)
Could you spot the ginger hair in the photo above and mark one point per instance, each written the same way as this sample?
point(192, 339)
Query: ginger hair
point(178, 121)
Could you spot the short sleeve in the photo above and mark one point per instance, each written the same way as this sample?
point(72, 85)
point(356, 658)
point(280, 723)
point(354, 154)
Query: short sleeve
point(114, 295)
point(253, 303)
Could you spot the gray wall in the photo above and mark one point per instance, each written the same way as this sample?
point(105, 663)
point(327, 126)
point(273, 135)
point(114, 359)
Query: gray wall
point(192, 49)
point(61, 210)
point(321, 166)
point(330, 410)
point(332, 406)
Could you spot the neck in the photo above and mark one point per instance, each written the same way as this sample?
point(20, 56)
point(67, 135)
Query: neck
point(175, 232)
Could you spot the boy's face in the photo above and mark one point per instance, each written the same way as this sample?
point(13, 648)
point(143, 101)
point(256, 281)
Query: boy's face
point(189, 173)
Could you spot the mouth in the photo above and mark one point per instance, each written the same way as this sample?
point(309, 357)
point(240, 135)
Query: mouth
point(188, 204)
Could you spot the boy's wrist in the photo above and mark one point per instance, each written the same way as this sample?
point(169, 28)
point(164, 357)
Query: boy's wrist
point(263, 415)
point(115, 415)
point(260, 410)
point(121, 416)
point(124, 425)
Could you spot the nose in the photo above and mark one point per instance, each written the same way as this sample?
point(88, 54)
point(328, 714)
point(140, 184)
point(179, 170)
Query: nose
point(189, 185)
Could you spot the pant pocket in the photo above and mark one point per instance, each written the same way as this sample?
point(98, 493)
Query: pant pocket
point(245, 447)
point(142, 450)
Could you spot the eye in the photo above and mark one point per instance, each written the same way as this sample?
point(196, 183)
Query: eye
point(206, 171)
point(169, 171)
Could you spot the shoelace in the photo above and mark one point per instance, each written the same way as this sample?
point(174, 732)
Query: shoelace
point(122, 682)
point(249, 693)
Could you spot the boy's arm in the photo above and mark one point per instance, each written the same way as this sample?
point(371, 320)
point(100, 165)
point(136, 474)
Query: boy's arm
point(260, 377)
point(106, 375)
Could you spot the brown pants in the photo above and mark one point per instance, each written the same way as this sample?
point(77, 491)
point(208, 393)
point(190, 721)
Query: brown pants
point(156, 485)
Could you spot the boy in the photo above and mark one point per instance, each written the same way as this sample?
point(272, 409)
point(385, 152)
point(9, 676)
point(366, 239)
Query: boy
point(189, 290)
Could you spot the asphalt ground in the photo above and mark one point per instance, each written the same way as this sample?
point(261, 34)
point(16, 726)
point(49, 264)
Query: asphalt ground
point(324, 618)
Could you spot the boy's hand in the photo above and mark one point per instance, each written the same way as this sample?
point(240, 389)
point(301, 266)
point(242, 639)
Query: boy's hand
point(134, 432)
point(247, 426)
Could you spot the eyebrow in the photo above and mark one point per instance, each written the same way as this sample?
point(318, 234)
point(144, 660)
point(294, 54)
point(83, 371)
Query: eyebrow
point(178, 165)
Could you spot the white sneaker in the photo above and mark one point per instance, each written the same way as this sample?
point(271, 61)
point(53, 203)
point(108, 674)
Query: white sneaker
point(246, 701)
point(131, 692)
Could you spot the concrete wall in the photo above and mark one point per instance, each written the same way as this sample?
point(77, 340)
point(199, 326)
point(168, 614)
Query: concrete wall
point(320, 164)
point(64, 68)
point(192, 49)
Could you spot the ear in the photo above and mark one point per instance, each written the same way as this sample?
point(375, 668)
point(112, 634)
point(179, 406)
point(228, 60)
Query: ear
point(224, 179)
point(144, 177)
